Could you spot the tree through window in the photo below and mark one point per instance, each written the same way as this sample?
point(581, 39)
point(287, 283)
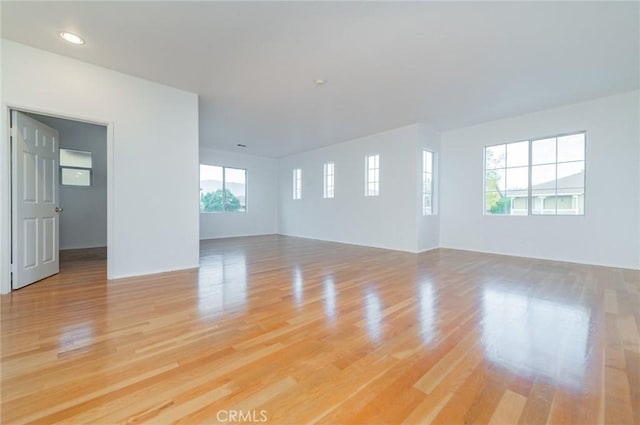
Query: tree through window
point(222, 189)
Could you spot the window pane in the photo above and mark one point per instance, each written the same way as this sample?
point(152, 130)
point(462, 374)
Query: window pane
point(571, 148)
point(328, 179)
point(571, 174)
point(543, 176)
point(517, 178)
point(543, 151)
point(210, 188)
point(297, 183)
point(570, 201)
point(73, 158)
point(427, 208)
point(549, 205)
point(564, 202)
point(211, 173)
point(519, 202)
point(76, 177)
point(371, 175)
point(495, 203)
point(495, 157)
point(427, 165)
point(544, 202)
point(517, 154)
point(428, 184)
point(235, 193)
point(495, 180)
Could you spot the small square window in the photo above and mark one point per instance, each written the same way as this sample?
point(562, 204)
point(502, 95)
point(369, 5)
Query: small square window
point(75, 158)
point(75, 167)
point(75, 177)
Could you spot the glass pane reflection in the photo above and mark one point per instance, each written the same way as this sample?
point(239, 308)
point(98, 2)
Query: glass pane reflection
point(76, 337)
point(373, 315)
point(298, 285)
point(330, 298)
point(536, 335)
point(222, 284)
point(427, 313)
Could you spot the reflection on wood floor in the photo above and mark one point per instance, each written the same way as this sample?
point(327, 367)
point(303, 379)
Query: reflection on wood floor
point(283, 330)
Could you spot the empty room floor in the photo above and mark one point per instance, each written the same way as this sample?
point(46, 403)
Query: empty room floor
point(285, 330)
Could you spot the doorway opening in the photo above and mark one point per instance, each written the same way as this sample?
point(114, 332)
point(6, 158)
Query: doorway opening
point(59, 196)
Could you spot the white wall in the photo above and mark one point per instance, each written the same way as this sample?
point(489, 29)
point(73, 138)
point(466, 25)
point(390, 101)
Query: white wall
point(608, 233)
point(386, 221)
point(261, 217)
point(83, 222)
point(152, 153)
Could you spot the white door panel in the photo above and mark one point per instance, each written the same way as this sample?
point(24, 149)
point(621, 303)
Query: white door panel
point(35, 197)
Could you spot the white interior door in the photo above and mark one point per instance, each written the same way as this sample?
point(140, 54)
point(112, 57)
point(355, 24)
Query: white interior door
point(36, 227)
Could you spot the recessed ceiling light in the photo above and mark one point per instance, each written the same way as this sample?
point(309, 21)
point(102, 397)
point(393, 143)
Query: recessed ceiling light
point(320, 82)
point(71, 37)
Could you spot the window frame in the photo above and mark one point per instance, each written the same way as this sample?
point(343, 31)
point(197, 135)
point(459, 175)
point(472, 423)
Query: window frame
point(329, 180)
point(70, 167)
point(530, 166)
point(431, 210)
point(376, 181)
point(297, 184)
point(224, 186)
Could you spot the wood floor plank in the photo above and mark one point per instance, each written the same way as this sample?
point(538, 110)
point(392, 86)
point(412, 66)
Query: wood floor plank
point(509, 409)
point(318, 332)
point(633, 375)
point(536, 409)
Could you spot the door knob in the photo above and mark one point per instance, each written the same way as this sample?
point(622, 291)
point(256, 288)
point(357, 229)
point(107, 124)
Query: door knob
point(58, 209)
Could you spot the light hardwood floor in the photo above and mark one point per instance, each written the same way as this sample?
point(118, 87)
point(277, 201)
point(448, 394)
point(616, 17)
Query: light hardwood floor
point(296, 331)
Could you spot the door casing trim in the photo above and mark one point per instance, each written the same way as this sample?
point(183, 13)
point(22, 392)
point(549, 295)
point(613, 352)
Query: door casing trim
point(6, 207)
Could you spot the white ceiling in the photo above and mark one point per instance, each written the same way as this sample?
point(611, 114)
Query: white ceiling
point(387, 63)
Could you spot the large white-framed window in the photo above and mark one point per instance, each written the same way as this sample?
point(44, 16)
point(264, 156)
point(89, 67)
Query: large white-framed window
point(544, 176)
point(297, 183)
point(372, 175)
point(222, 189)
point(427, 183)
point(76, 167)
point(329, 179)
